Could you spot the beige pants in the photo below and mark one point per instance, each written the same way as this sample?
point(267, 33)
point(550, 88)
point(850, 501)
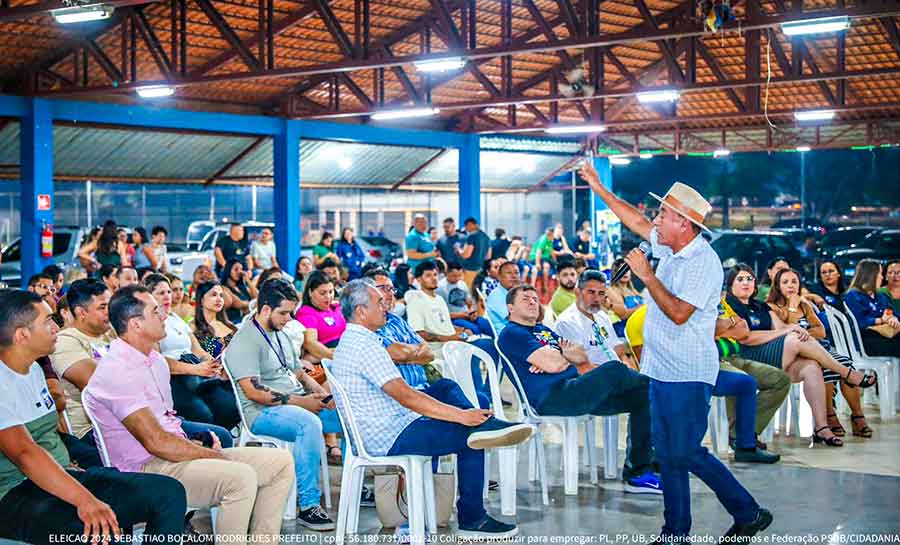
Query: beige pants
point(250, 489)
point(469, 278)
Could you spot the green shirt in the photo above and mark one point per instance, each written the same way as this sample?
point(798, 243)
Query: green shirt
point(895, 303)
point(545, 243)
point(26, 401)
point(320, 250)
point(562, 299)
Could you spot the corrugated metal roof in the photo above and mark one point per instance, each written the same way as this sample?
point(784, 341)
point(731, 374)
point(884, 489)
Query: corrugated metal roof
point(540, 145)
point(9, 144)
point(498, 169)
point(345, 163)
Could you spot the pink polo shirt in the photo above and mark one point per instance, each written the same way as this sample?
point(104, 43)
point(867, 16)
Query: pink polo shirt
point(124, 382)
point(329, 323)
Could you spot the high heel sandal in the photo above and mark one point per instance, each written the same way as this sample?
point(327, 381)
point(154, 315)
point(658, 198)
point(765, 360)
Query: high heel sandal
point(867, 381)
point(863, 431)
point(839, 429)
point(832, 441)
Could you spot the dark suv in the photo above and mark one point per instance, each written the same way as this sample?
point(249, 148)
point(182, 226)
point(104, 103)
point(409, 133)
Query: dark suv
point(882, 245)
point(757, 248)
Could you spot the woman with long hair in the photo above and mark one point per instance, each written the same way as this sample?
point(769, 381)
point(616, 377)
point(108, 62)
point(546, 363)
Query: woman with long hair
point(236, 282)
point(143, 252)
point(891, 289)
point(87, 259)
point(791, 307)
point(181, 303)
point(200, 392)
point(321, 315)
point(302, 269)
point(788, 347)
point(878, 325)
point(623, 296)
point(211, 325)
point(772, 268)
point(830, 286)
point(107, 249)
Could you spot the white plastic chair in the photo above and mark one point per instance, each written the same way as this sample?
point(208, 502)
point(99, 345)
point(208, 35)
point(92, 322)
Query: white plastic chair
point(842, 332)
point(419, 478)
point(104, 457)
point(457, 357)
point(893, 369)
point(246, 436)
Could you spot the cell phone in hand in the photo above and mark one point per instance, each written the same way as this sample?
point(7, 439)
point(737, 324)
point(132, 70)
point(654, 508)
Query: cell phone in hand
point(205, 437)
point(327, 399)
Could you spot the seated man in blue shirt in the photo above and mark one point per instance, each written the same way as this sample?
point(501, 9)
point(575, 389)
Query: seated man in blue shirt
point(496, 301)
point(563, 378)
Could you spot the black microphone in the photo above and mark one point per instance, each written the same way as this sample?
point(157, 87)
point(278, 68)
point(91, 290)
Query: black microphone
point(620, 272)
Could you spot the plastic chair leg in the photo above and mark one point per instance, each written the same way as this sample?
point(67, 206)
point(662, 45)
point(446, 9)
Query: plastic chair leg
point(415, 491)
point(428, 490)
point(570, 457)
point(542, 468)
point(326, 477)
point(356, 482)
point(610, 447)
point(344, 502)
point(290, 509)
point(508, 462)
point(590, 447)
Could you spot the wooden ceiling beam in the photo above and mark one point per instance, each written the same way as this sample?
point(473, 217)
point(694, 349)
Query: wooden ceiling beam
point(225, 30)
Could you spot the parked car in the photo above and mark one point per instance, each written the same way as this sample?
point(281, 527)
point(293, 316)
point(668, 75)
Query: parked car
point(381, 250)
point(814, 226)
point(842, 238)
point(883, 245)
point(183, 261)
point(66, 241)
point(196, 231)
point(756, 249)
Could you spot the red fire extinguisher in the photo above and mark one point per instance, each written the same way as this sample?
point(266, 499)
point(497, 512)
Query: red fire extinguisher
point(47, 240)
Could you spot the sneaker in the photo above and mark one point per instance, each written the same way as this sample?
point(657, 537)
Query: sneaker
point(401, 534)
point(367, 498)
point(493, 485)
point(315, 518)
point(755, 456)
point(495, 433)
point(486, 529)
point(732, 442)
point(761, 522)
point(648, 483)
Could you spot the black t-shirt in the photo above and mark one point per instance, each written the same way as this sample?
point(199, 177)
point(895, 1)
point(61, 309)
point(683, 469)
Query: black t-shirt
point(499, 246)
point(582, 246)
point(232, 250)
point(755, 312)
point(445, 246)
point(834, 299)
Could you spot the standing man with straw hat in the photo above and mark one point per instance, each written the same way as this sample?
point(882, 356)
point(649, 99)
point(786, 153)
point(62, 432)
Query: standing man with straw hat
point(678, 355)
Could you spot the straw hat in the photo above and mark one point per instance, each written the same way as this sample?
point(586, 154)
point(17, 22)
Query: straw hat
point(685, 200)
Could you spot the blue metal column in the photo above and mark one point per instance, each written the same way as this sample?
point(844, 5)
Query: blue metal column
point(470, 178)
point(606, 228)
point(286, 155)
point(36, 159)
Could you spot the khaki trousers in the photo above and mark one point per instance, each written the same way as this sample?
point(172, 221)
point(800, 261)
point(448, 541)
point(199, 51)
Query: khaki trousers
point(250, 489)
point(469, 278)
point(773, 385)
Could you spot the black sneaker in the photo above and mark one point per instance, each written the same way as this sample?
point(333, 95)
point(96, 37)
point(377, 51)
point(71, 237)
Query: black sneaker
point(732, 442)
point(761, 522)
point(493, 485)
point(486, 529)
point(315, 518)
point(755, 456)
point(495, 433)
point(367, 498)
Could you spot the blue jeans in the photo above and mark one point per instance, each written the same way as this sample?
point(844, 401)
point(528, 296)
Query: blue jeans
point(679, 412)
point(479, 326)
point(198, 427)
point(429, 437)
point(304, 429)
point(743, 387)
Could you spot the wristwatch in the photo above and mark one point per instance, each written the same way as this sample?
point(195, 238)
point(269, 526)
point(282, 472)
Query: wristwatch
point(463, 335)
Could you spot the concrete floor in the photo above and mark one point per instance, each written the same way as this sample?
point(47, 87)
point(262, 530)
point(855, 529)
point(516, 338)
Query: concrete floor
point(824, 495)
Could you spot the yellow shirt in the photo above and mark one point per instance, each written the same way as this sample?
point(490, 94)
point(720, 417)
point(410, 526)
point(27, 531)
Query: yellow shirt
point(634, 327)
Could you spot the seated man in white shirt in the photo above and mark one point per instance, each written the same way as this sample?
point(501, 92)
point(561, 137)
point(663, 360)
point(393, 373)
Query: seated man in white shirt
point(577, 370)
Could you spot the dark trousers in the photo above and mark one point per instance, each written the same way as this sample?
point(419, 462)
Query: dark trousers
point(478, 326)
point(743, 388)
point(199, 400)
point(429, 437)
point(198, 427)
point(30, 514)
point(679, 412)
point(609, 389)
point(82, 451)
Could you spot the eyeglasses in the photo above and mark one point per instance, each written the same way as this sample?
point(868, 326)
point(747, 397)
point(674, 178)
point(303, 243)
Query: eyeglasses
point(744, 279)
point(387, 288)
point(892, 273)
point(829, 272)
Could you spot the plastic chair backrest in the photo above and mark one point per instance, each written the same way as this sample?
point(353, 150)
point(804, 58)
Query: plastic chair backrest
point(839, 327)
point(234, 388)
point(517, 384)
point(858, 349)
point(457, 362)
point(549, 316)
point(86, 398)
point(345, 414)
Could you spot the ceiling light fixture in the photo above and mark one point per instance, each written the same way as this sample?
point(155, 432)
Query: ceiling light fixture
point(440, 65)
point(155, 91)
point(80, 14)
point(646, 156)
point(404, 113)
point(666, 95)
point(575, 129)
point(814, 115)
point(345, 163)
point(721, 152)
point(816, 26)
point(803, 148)
point(619, 161)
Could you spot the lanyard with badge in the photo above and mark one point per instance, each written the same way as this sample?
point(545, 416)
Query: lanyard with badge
point(282, 359)
point(601, 338)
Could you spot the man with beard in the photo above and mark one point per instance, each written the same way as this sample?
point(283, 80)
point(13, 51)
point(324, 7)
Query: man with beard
point(564, 296)
point(577, 370)
point(278, 398)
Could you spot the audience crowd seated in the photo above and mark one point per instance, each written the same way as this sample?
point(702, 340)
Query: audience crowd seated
point(873, 311)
